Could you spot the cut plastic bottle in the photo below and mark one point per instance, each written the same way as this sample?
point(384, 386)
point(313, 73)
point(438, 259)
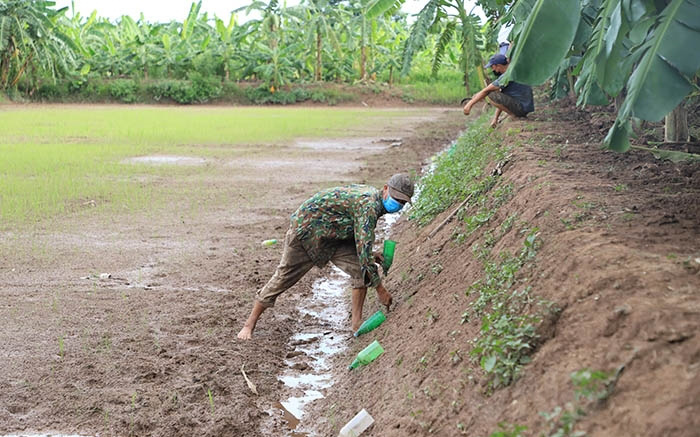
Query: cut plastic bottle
point(389, 247)
point(372, 323)
point(367, 355)
point(357, 424)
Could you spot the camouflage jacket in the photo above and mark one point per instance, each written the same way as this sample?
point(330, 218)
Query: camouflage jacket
point(337, 214)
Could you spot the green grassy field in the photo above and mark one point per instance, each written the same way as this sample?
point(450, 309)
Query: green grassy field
point(54, 160)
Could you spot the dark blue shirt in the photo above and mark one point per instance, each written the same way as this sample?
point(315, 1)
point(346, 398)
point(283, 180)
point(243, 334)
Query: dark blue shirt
point(521, 93)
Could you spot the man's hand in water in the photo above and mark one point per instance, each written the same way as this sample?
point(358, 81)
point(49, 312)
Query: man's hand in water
point(384, 297)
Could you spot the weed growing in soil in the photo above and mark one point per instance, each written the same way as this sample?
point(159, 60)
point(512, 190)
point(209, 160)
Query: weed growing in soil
point(457, 173)
point(505, 336)
point(589, 386)
point(508, 430)
point(211, 400)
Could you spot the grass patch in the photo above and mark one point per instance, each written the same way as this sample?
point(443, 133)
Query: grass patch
point(57, 160)
point(458, 172)
point(442, 93)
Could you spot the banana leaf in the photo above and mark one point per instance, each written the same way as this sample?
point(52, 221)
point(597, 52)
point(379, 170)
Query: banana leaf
point(660, 80)
point(544, 41)
point(379, 7)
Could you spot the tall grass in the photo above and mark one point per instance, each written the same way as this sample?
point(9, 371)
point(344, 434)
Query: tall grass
point(54, 160)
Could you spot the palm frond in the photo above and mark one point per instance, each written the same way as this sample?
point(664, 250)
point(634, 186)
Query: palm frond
point(419, 31)
point(441, 46)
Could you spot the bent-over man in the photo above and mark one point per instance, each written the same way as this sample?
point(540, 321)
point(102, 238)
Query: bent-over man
point(335, 225)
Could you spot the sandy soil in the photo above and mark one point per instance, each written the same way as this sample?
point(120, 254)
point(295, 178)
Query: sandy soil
point(125, 324)
point(620, 262)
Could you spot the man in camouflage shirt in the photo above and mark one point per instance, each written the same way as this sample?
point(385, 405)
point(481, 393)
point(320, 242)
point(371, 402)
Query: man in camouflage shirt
point(335, 225)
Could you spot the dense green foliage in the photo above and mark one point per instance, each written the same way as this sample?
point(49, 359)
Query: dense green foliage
point(54, 56)
point(639, 50)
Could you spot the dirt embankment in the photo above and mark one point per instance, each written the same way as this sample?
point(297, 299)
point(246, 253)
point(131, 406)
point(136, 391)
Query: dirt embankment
point(618, 266)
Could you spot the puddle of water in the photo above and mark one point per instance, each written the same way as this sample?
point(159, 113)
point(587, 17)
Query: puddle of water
point(166, 159)
point(345, 144)
point(292, 421)
point(314, 348)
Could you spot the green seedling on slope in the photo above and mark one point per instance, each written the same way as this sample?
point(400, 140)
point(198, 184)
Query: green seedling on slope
point(508, 430)
point(591, 384)
point(211, 400)
point(505, 337)
point(458, 172)
point(61, 348)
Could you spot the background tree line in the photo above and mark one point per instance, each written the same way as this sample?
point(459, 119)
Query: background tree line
point(638, 54)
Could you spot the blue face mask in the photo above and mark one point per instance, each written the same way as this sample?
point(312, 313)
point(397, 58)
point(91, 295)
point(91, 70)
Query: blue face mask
point(391, 205)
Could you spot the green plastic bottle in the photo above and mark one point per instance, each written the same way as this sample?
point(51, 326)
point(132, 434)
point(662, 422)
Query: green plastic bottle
point(269, 243)
point(389, 247)
point(367, 355)
point(374, 321)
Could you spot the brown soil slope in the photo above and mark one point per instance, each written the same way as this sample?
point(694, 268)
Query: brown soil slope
point(619, 260)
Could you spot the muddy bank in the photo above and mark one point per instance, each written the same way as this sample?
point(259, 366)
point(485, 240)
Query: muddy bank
point(617, 269)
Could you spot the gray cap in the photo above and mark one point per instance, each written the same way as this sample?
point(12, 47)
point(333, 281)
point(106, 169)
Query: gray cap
point(401, 187)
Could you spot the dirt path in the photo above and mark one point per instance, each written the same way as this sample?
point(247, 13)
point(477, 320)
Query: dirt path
point(125, 324)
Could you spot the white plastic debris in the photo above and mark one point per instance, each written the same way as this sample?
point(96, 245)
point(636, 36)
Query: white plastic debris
point(357, 425)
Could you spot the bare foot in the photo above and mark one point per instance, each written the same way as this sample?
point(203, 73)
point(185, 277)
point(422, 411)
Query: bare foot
point(246, 333)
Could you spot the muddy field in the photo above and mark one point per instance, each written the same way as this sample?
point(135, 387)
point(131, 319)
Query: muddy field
point(125, 324)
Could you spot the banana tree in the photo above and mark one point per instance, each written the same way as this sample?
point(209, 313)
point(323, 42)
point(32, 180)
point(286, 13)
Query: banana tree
point(30, 39)
point(640, 46)
point(451, 19)
point(366, 13)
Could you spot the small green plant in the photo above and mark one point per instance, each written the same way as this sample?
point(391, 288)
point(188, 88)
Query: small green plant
point(61, 348)
point(432, 315)
point(620, 187)
point(508, 430)
point(591, 384)
point(561, 421)
point(211, 400)
point(455, 356)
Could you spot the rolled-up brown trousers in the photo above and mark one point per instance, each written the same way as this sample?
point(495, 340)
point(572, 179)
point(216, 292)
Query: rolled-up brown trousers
point(295, 263)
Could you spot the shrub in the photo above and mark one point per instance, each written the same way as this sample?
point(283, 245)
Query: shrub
point(124, 90)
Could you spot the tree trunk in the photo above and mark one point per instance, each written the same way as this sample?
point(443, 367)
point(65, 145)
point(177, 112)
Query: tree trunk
point(318, 55)
point(676, 128)
point(363, 59)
